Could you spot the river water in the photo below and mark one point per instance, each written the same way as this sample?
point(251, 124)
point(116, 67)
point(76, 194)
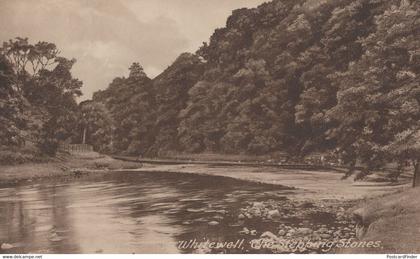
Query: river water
point(126, 212)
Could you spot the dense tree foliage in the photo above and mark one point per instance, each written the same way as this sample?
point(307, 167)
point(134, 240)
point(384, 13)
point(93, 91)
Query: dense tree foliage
point(95, 126)
point(37, 95)
point(274, 80)
point(129, 101)
point(11, 115)
point(377, 115)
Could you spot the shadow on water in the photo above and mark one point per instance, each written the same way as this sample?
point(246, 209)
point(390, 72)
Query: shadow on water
point(126, 212)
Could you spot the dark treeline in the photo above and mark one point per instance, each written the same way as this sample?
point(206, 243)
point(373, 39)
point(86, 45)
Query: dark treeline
point(290, 76)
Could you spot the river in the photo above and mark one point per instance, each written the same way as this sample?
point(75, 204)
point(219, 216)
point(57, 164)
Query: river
point(126, 212)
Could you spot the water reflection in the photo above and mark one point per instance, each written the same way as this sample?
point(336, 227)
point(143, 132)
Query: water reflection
point(123, 213)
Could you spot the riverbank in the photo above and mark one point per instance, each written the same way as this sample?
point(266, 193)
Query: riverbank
point(64, 164)
point(392, 219)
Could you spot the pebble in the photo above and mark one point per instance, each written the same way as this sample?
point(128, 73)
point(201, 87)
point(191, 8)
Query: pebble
point(274, 214)
point(304, 231)
point(218, 217)
point(316, 237)
point(244, 231)
point(281, 232)
point(325, 236)
point(323, 230)
point(195, 210)
point(269, 235)
point(213, 223)
point(55, 238)
point(280, 248)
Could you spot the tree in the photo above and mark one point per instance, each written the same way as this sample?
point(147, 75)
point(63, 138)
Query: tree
point(171, 95)
point(400, 27)
point(27, 59)
point(129, 102)
point(12, 120)
point(41, 86)
point(55, 92)
point(95, 126)
point(136, 71)
point(378, 102)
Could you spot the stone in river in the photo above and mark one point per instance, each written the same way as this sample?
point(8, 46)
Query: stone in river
point(195, 210)
point(323, 230)
point(304, 231)
point(325, 236)
point(241, 216)
point(269, 235)
point(316, 237)
point(280, 248)
point(253, 232)
point(244, 231)
point(213, 223)
point(218, 217)
point(274, 214)
point(6, 246)
point(281, 232)
point(258, 205)
point(56, 239)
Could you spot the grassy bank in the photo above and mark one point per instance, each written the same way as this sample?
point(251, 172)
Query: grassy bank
point(393, 219)
point(62, 165)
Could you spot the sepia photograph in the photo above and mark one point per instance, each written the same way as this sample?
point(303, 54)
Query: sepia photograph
point(175, 127)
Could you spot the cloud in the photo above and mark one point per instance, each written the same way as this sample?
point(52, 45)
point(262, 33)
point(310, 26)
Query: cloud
point(106, 36)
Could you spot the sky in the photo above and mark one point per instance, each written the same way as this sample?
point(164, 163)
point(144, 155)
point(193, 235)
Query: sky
point(106, 36)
